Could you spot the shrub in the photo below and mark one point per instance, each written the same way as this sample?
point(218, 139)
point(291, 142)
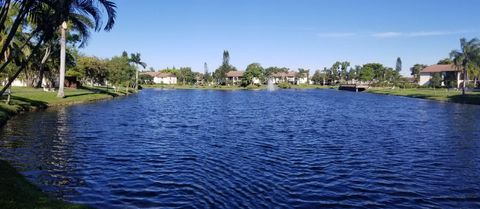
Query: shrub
point(284, 85)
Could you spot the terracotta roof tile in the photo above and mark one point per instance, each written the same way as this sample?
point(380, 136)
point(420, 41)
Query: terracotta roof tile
point(439, 68)
point(234, 74)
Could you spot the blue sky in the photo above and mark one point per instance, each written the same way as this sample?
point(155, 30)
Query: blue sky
point(309, 34)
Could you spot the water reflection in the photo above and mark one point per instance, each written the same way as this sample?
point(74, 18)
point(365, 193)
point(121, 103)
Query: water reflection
point(253, 149)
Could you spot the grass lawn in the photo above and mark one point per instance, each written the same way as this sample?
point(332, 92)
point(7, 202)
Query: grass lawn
point(431, 94)
point(16, 191)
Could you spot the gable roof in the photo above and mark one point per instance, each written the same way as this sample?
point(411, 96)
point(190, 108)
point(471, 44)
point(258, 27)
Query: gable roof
point(159, 74)
point(439, 69)
point(284, 74)
point(234, 74)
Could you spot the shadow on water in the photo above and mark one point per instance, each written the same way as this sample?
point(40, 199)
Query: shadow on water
point(467, 99)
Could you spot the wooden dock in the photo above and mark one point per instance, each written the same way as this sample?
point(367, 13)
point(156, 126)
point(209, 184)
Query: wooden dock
point(353, 87)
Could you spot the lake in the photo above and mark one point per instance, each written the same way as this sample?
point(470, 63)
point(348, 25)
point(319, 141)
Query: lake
point(252, 149)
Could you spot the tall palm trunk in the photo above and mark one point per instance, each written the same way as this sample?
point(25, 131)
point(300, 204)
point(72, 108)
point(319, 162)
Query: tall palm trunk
point(61, 85)
point(464, 78)
point(42, 68)
point(136, 78)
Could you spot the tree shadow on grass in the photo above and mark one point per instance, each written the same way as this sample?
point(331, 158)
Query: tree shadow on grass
point(27, 103)
point(77, 95)
point(99, 91)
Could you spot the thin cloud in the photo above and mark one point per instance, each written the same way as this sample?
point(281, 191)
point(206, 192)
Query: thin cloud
point(415, 34)
point(434, 33)
point(391, 34)
point(387, 34)
point(336, 35)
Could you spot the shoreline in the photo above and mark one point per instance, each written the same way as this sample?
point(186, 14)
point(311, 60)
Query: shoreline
point(15, 190)
point(439, 95)
point(232, 88)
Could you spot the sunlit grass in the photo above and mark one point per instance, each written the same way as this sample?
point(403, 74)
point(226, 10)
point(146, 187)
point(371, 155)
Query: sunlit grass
point(432, 94)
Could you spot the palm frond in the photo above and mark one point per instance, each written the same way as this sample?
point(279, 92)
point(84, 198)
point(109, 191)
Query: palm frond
point(110, 7)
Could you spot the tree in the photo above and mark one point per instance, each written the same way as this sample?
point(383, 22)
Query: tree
point(334, 74)
point(367, 73)
point(302, 73)
point(398, 66)
point(120, 72)
point(81, 14)
point(436, 80)
point(344, 67)
point(446, 61)
point(137, 60)
point(253, 71)
point(90, 70)
point(220, 73)
point(468, 55)
point(272, 70)
point(185, 75)
point(207, 77)
point(415, 71)
point(318, 77)
point(145, 79)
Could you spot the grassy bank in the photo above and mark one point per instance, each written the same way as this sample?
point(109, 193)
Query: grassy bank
point(443, 95)
point(15, 190)
point(26, 99)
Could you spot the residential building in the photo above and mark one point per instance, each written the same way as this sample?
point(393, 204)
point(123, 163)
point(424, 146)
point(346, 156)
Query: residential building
point(234, 77)
point(448, 73)
point(162, 78)
point(290, 77)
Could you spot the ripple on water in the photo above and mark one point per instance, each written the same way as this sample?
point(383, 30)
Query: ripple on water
point(242, 149)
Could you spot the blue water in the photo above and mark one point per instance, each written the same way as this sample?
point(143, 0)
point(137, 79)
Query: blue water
point(252, 149)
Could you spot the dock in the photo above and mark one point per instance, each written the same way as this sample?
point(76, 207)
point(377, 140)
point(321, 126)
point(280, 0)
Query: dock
point(353, 87)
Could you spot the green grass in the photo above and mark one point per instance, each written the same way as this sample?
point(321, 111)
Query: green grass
point(444, 95)
point(16, 191)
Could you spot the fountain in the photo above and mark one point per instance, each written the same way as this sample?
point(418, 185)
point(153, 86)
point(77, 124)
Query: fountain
point(270, 85)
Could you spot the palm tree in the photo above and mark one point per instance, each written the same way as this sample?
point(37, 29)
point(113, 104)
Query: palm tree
point(136, 60)
point(47, 17)
point(81, 14)
point(466, 56)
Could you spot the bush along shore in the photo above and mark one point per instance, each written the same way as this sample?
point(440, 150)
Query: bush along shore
point(15, 190)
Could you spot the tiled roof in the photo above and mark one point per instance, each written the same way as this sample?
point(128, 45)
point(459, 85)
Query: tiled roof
point(283, 74)
point(160, 74)
point(439, 69)
point(234, 74)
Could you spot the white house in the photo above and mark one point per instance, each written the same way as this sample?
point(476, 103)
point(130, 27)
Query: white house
point(20, 82)
point(446, 71)
point(163, 78)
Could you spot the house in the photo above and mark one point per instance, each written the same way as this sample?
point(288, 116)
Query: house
point(280, 77)
point(447, 71)
point(290, 77)
point(234, 77)
point(162, 78)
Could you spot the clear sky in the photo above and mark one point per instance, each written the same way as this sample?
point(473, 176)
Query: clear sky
point(309, 34)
